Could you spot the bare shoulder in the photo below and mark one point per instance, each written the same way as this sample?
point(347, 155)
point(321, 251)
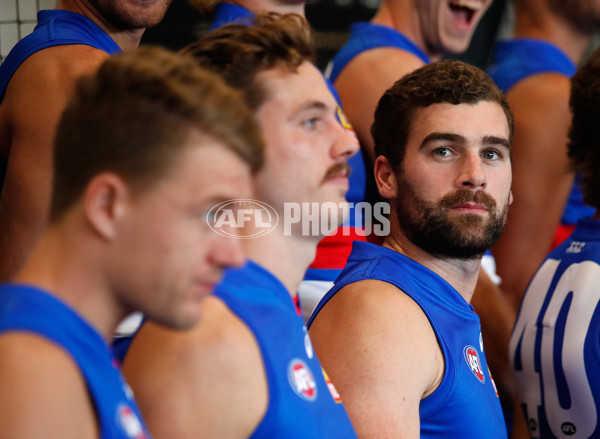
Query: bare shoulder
point(385, 63)
point(40, 89)
point(206, 382)
point(364, 80)
point(368, 338)
point(40, 381)
point(544, 91)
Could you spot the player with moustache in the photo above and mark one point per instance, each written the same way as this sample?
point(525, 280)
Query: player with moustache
point(249, 370)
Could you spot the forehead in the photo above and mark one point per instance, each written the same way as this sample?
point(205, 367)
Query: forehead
point(287, 89)
point(206, 168)
point(472, 121)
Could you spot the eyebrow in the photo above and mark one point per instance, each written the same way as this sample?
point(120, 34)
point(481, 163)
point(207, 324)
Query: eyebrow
point(457, 138)
point(311, 105)
point(493, 140)
point(449, 137)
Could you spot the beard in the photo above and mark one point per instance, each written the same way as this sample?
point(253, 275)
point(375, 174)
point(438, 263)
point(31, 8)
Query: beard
point(127, 16)
point(438, 231)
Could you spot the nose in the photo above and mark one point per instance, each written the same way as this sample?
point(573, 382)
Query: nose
point(345, 143)
point(472, 174)
point(227, 252)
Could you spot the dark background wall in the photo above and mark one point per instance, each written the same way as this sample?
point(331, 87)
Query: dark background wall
point(330, 20)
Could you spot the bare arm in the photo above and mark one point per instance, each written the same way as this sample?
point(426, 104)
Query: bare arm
point(365, 338)
point(42, 393)
point(520, 430)
point(208, 382)
point(30, 111)
point(541, 180)
point(497, 318)
point(364, 80)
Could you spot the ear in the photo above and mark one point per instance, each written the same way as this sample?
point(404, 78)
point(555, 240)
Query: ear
point(510, 198)
point(385, 177)
point(105, 203)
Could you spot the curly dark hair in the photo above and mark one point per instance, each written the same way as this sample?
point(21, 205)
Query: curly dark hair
point(239, 51)
point(584, 136)
point(448, 81)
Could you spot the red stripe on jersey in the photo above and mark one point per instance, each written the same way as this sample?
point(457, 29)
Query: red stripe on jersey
point(333, 250)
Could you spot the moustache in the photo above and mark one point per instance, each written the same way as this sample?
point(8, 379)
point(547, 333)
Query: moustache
point(466, 196)
point(337, 169)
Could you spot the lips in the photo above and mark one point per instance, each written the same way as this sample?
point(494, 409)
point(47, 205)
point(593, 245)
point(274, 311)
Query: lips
point(464, 11)
point(472, 207)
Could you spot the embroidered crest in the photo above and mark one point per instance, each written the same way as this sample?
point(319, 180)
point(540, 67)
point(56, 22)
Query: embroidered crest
point(301, 379)
point(474, 362)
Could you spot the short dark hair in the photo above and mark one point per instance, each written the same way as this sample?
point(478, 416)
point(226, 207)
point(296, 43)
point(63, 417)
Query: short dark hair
point(448, 81)
point(239, 52)
point(134, 115)
point(584, 136)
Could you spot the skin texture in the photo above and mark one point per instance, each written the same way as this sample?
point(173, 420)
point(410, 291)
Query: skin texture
point(367, 333)
point(224, 392)
point(425, 23)
point(29, 114)
point(542, 117)
point(105, 247)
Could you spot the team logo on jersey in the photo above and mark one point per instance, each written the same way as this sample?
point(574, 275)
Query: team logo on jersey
point(474, 363)
point(130, 423)
point(345, 123)
point(301, 379)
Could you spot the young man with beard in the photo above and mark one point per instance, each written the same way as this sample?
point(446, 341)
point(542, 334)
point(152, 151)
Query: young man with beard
point(144, 149)
point(533, 69)
point(249, 370)
point(554, 347)
point(402, 36)
point(36, 79)
point(397, 334)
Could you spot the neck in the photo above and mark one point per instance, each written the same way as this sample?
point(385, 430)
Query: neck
point(126, 39)
point(271, 6)
point(544, 25)
point(404, 17)
point(64, 269)
point(460, 273)
point(286, 257)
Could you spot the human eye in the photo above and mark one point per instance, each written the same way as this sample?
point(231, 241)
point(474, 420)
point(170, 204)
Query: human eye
point(442, 151)
point(491, 154)
point(311, 122)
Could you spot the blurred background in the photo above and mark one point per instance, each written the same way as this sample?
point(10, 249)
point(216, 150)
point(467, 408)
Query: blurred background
point(331, 20)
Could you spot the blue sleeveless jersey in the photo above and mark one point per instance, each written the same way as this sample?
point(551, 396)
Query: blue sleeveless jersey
point(300, 402)
point(515, 60)
point(366, 36)
point(554, 347)
point(465, 405)
point(23, 308)
point(55, 28)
